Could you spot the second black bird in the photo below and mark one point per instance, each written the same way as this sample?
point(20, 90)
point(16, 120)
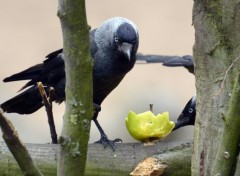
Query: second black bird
point(187, 116)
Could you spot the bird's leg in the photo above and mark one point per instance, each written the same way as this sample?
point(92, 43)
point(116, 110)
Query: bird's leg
point(104, 139)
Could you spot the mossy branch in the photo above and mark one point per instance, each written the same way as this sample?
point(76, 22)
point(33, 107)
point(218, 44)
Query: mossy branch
point(176, 155)
point(226, 159)
point(105, 162)
point(79, 95)
point(17, 148)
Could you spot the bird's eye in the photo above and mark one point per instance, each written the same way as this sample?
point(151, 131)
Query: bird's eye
point(116, 39)
point(190, 110)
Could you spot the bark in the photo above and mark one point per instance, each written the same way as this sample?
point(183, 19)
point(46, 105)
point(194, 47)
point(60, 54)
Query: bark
point(17, 148)
point(104, 162)
point(78, 68)
point(47, 101)
point(217, 64)
point(100, 161)
point(227, 154)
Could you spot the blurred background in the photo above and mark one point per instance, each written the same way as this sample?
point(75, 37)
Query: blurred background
point(30, 29)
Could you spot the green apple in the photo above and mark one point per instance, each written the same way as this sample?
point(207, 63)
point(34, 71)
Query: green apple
point(146, 126)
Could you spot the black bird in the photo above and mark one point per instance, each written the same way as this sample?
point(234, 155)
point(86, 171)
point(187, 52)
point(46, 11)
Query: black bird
point(113, 47)
point(187, 117)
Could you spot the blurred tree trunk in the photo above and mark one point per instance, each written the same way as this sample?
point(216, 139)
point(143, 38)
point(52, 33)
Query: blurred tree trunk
point(216, 53)
point(79, 106)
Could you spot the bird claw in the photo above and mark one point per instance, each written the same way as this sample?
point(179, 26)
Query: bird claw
point(106, 142)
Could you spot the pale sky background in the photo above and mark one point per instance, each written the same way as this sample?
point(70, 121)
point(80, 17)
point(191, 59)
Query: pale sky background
point(30, 29)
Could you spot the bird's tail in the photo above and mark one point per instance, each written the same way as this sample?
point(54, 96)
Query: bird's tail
point(26, 102)
point(28, 74)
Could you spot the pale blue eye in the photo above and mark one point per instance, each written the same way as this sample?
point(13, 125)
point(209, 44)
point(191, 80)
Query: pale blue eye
point(116, 39)
point(190, 110)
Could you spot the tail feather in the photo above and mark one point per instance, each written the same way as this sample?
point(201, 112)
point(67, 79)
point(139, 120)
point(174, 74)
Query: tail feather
point(26, 102)
point(27, 74)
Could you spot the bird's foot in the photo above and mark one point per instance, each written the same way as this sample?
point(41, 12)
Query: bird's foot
point(106, 142)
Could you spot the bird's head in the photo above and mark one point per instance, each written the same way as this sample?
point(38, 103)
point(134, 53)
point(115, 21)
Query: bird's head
point(119, 35)
point(187, 117)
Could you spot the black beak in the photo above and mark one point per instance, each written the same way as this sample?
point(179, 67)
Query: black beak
point(126, 49)
point(182, 121)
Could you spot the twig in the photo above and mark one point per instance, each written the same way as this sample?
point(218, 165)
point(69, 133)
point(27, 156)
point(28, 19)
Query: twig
point(48, 106)
point(225, 76)
point(16, 147)
point(151, 107)
point(51, 95)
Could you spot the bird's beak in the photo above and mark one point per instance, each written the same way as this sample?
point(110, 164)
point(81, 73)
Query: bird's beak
point(180, 122)
point(126, 48)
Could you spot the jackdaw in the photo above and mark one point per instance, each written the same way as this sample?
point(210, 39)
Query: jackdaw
point(113, 48)
point(187, 117)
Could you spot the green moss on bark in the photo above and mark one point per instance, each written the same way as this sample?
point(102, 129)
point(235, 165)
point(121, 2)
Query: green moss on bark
point(78, 68)
point(217, 45)
point(226, 159)
point(9, 167)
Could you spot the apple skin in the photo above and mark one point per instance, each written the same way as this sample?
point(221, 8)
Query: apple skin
point(146, 126)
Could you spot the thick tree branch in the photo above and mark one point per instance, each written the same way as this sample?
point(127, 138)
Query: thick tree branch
point(105, 162)
point(100, 161)
point(17, 148)
point(78, 89)
point(226, 159)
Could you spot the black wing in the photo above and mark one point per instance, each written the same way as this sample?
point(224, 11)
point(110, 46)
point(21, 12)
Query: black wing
point(49, 72)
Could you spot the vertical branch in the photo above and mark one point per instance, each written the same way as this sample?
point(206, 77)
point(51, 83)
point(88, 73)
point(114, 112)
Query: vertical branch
point(48, 106)
point(79, 101)
point(16, 147)
point(227, 155)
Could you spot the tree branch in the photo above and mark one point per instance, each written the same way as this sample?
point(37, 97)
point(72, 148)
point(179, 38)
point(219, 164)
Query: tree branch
point(226, 159)
point(105, 162)
point(48, 106)
point(79, 91)
point(16, 147)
